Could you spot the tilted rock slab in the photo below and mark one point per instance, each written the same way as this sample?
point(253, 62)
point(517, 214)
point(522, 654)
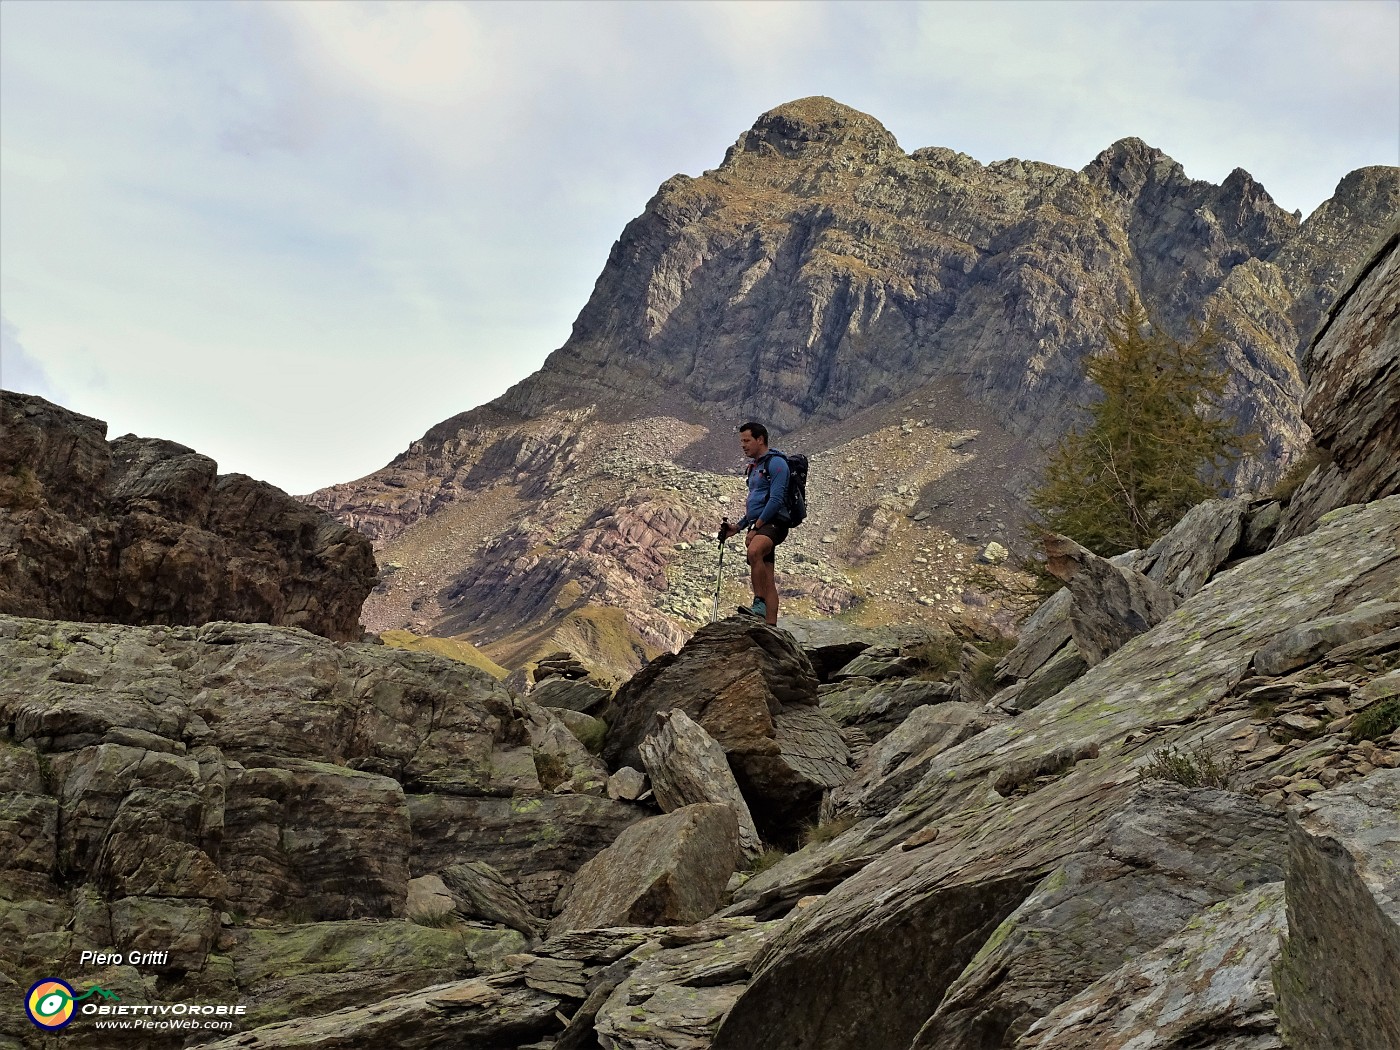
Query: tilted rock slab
point(1353, 398)
point(1042, 635)
point(1209, 985)
point(569, 694)
point(897, 762)
point(144, 531)
point(1339, 981)
point(879, 707)
point(1047, 680)
point(667, 870)
point(911, 919)
point(1202, 541)
point(1303, 644)
point(1111, 603)
point(1167, 855)
point(687, 765)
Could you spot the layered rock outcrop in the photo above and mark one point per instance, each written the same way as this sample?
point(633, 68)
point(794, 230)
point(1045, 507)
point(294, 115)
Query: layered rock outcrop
point(245, 797)
point(144, 531)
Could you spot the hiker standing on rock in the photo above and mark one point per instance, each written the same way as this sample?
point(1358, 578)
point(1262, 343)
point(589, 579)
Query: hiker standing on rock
point(764, 517)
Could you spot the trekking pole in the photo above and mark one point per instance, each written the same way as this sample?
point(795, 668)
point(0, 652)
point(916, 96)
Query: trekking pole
point(719, 576)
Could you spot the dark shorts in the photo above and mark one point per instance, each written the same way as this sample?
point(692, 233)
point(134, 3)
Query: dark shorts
point(776, 533)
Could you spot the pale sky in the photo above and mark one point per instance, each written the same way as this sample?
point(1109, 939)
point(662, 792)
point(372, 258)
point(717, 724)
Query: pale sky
point(294, 236)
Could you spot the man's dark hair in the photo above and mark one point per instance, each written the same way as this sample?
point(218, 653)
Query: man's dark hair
point(758, 430)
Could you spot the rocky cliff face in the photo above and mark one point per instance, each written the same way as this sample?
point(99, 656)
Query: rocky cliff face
point(1353, 398)
point(144, 531)
point(825, 281)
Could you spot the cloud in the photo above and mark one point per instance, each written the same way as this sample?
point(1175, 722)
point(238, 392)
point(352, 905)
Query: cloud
point(296, 235)
point(19, 369)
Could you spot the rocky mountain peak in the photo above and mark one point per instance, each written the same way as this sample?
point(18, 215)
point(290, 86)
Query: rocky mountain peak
point(1129, 164)
point(860, 301)
point(814, 125)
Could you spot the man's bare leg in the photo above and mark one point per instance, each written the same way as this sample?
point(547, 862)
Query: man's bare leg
point(761, 575)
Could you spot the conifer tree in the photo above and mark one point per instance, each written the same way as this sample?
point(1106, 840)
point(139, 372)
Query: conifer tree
point(1154, 446)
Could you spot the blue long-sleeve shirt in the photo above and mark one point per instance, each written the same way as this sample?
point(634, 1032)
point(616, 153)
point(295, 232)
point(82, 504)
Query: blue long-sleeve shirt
point(768, 482)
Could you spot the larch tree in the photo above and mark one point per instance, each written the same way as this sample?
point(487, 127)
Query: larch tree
point(1155, 444)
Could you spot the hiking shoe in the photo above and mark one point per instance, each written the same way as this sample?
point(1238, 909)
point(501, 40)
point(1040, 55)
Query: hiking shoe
point(759, 609)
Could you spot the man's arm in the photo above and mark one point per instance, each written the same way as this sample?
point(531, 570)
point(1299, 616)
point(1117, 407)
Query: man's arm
point(777, 490)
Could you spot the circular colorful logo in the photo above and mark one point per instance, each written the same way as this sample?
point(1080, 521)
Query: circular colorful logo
point(50, 1003)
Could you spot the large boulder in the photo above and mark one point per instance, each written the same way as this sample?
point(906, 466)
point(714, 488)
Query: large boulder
point(752, 689)
point(144, 531)
point(667, 870)
point(1167, 855)
point(687, 765)
point(1339, 980)
point(1111, 603)
point(731, 678)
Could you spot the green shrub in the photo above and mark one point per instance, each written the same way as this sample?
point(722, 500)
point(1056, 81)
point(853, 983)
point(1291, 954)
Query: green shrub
point(1298, 471)
point(984, 673)
point(1378, 720)
point(765, 860)
point(826, 830)
point(1156, 442)
point(436, 920)
point(939, 657)
point(1196, 768)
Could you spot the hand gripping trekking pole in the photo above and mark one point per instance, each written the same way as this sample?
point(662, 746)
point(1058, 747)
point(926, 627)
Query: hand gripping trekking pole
point(719, 576)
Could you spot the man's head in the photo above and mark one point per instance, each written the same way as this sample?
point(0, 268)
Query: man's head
point(753, 439)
